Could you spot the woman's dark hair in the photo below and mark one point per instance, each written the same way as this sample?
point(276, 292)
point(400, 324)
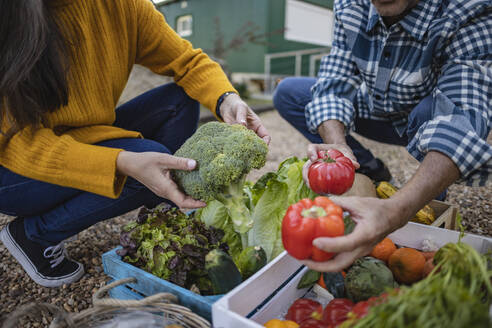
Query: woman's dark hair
point(33, 63)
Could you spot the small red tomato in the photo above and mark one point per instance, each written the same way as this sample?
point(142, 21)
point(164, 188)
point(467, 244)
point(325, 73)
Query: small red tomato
point(303, 309)
point(336, 311)
point(331, 173)
point(307, 220)
point(313, 323)
point(360, 309)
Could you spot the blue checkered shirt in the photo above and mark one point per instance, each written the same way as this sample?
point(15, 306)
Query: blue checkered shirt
point(441, 48)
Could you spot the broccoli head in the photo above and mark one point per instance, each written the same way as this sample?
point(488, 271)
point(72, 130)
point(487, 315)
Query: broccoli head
point(225, 154)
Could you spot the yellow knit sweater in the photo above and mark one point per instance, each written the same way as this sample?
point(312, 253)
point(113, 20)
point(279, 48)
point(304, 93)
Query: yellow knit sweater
point(107, 39)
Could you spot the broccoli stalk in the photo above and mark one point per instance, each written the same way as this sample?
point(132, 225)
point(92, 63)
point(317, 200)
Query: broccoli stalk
point(225, 155)
point(235, 201)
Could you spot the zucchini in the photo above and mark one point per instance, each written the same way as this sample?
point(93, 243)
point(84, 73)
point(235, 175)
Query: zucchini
point(222, 271)
point(251, 259)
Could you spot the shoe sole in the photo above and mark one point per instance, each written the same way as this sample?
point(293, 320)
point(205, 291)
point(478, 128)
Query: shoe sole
point(31, 270)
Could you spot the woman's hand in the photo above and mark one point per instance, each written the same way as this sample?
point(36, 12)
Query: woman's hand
point(235, 111)
point(152, 169)
point(375, 218)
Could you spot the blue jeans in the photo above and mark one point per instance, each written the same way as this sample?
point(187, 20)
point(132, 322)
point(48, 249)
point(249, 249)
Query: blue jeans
point(294, 93)
point(166, 116)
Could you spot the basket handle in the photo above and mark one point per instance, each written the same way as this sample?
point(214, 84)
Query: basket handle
point(98, 300)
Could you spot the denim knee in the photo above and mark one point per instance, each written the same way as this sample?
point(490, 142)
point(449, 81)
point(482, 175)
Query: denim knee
point(293, 93)
point(191, 106)
point(284, 94)
point(281, 92)
point(135, 145)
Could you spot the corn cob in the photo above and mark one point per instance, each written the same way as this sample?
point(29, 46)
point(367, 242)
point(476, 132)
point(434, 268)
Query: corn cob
point(425, 215)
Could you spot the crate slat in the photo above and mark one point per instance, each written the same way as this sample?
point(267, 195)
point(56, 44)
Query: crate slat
point(147, 284)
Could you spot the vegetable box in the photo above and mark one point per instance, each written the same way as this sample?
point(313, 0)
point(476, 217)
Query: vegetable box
point(446, 215)
point(274, 287)
point(147, 284)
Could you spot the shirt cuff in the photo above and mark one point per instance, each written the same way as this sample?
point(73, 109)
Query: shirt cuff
point(329, 107)
point(471, 154)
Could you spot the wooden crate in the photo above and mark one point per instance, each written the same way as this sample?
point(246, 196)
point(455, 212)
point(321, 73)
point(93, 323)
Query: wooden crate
point(147, 284)
point(274, 288)
point(446, 215)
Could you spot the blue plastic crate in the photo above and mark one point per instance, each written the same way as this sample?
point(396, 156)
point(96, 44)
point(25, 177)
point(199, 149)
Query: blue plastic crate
point(147, 284)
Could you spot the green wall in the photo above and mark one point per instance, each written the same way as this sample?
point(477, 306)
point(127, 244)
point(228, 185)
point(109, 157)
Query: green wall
point(267, 16)
point(233, 15)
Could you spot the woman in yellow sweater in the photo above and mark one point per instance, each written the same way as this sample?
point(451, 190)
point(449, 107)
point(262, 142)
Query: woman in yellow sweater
point(68, 158)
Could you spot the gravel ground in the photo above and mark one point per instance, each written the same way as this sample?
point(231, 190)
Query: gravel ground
point(16, 288)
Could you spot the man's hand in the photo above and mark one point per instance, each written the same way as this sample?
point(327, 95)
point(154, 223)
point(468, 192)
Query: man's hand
point(235, 111)
point(375, 218)
point(152, 169)
point(313, 149)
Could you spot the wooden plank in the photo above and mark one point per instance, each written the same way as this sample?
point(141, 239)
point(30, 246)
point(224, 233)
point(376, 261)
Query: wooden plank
point(123, 293)
point(282, 300)
point(412, 235)
point(244, 298)
point(446, 215)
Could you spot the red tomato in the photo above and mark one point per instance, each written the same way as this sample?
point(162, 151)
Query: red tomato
point(336, 311)
point(313, 323)
point(303, 309)
point(307, 220)
point(360, 309)
point(331, 173)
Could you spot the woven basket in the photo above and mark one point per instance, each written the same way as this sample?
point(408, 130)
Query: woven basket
point(104, 309)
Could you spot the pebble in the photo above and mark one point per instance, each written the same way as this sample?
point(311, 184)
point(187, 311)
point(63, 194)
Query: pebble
point(16, 292)
point(67, 307)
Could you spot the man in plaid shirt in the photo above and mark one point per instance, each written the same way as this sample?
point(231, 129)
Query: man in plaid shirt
point(416, 73)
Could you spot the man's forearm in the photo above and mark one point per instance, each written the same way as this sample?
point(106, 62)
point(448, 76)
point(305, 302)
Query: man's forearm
point(436, 172)
point(332, 132)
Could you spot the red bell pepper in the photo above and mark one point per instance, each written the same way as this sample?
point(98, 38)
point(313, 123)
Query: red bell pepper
point(337, 310)
point(303, 309)
point(331, 173)
point(307, 220)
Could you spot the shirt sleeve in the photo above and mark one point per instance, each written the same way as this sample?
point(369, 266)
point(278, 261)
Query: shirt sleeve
point(42, 155)
point(337, 85)
point(462, 106)
point(162, 50)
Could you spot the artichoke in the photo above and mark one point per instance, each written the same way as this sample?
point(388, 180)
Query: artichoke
point(368, 277)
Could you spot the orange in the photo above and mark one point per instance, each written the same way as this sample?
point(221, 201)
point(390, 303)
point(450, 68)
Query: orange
point(277, 323)
point(407, 265)
point(383, 250)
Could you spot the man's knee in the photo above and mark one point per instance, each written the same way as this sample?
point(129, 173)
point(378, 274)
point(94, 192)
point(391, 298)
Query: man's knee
point(283, 92)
